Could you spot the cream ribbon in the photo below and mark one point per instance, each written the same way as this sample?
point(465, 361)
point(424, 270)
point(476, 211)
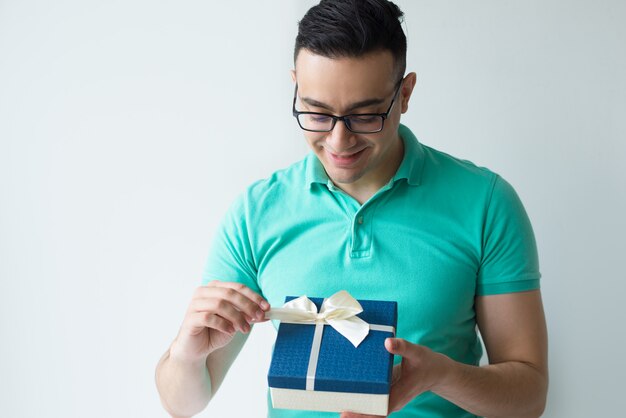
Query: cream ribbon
point(339, 311)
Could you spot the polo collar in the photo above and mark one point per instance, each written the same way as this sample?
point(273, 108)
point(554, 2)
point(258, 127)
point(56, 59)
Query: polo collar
point(413, 160)
point(315, 172)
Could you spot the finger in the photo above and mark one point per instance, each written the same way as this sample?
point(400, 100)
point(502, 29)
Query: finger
point(396, 373)
point(401, 389)
point(240, 301)
point(346, 414)
point(202, 320)
point(243, 289)
point(400, 394)
point(232, 314)
point(223, 308)
point(251, 303)
point(400, 347)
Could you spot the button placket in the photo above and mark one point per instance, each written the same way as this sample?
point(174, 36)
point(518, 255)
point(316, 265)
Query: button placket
point(361, 231)
point(361, 234)
point(362, 225)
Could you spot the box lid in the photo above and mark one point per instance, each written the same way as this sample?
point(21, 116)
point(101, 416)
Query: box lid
point(341, 367)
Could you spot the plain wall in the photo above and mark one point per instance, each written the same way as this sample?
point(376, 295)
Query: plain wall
point(128, 127)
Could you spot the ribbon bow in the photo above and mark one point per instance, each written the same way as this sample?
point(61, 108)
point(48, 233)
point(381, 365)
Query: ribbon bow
point(339, 311)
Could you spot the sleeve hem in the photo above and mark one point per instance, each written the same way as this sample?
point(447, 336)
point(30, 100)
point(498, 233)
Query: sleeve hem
point(508, 287)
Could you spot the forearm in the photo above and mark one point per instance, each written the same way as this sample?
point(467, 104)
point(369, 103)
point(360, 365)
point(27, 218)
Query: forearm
point(509, 389)
point(184, 388)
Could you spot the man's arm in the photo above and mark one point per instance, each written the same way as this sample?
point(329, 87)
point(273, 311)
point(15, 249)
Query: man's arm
point(514, 383)
point(193, 368)
point(186, 387)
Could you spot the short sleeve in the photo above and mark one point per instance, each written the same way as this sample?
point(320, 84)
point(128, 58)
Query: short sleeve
point(509, 262)
point(230, 256)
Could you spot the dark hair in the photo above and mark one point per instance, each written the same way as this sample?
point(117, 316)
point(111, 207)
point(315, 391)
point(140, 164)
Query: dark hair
point(353, 28)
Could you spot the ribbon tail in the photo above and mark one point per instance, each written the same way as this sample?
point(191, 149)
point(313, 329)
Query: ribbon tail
point(354, 329)
point(297, 310)
point(290, 315)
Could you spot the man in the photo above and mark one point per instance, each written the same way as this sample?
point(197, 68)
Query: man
point(373, 211)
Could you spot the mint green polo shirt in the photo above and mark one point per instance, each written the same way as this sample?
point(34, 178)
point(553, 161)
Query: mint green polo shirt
point(439, 233)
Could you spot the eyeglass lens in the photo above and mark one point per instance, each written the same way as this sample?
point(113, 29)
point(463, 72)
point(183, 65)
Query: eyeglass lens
point(357, 123)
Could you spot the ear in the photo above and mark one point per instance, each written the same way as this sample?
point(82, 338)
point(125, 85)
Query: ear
point(293, 75)
point(407, 89)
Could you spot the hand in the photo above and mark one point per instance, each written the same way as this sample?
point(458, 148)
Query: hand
point(420, 370)
point(216, 311)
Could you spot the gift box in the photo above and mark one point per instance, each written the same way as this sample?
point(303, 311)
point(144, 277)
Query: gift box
point(333, 357)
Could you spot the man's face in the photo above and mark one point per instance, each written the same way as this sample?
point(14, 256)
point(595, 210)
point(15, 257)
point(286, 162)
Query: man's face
point(344, 86)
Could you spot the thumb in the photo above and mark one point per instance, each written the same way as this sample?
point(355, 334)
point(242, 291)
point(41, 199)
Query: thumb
point(398, 346)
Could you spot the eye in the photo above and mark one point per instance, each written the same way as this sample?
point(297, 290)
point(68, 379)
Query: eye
point(319, 118)
point(363, 118)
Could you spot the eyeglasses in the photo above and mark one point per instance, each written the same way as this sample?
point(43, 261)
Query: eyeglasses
point(362, 123)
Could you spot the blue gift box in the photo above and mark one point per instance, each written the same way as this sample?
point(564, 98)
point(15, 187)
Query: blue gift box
point(347, 377)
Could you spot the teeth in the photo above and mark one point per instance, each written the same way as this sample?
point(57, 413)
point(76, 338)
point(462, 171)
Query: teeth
point(347, 156)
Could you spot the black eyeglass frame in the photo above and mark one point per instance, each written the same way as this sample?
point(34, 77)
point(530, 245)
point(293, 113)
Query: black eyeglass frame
point(345, 118)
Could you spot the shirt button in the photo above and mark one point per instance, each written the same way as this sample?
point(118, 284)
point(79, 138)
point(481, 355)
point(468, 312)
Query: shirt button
point(360, 220)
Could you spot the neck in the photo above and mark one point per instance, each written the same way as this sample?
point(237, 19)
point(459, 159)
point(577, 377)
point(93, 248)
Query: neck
point(363, 189)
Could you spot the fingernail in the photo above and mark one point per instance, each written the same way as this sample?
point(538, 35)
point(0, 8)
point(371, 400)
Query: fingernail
point(265, 305)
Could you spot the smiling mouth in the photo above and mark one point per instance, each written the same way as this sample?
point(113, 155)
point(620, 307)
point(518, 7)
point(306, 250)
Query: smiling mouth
point(345, 160)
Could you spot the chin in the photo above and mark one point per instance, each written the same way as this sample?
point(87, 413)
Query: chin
point(344, 178)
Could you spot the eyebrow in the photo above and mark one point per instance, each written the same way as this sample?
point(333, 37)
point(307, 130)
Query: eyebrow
point(353, 106)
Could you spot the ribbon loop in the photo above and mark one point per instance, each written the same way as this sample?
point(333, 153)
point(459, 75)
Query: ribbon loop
point(339, 311)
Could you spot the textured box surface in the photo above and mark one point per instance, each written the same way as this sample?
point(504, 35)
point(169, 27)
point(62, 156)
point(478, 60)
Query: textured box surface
point(362, 374)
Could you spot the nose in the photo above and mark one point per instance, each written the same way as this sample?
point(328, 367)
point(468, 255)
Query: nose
point(341, 138)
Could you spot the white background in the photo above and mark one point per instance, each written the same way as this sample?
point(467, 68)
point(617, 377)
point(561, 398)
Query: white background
point(127, 128)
